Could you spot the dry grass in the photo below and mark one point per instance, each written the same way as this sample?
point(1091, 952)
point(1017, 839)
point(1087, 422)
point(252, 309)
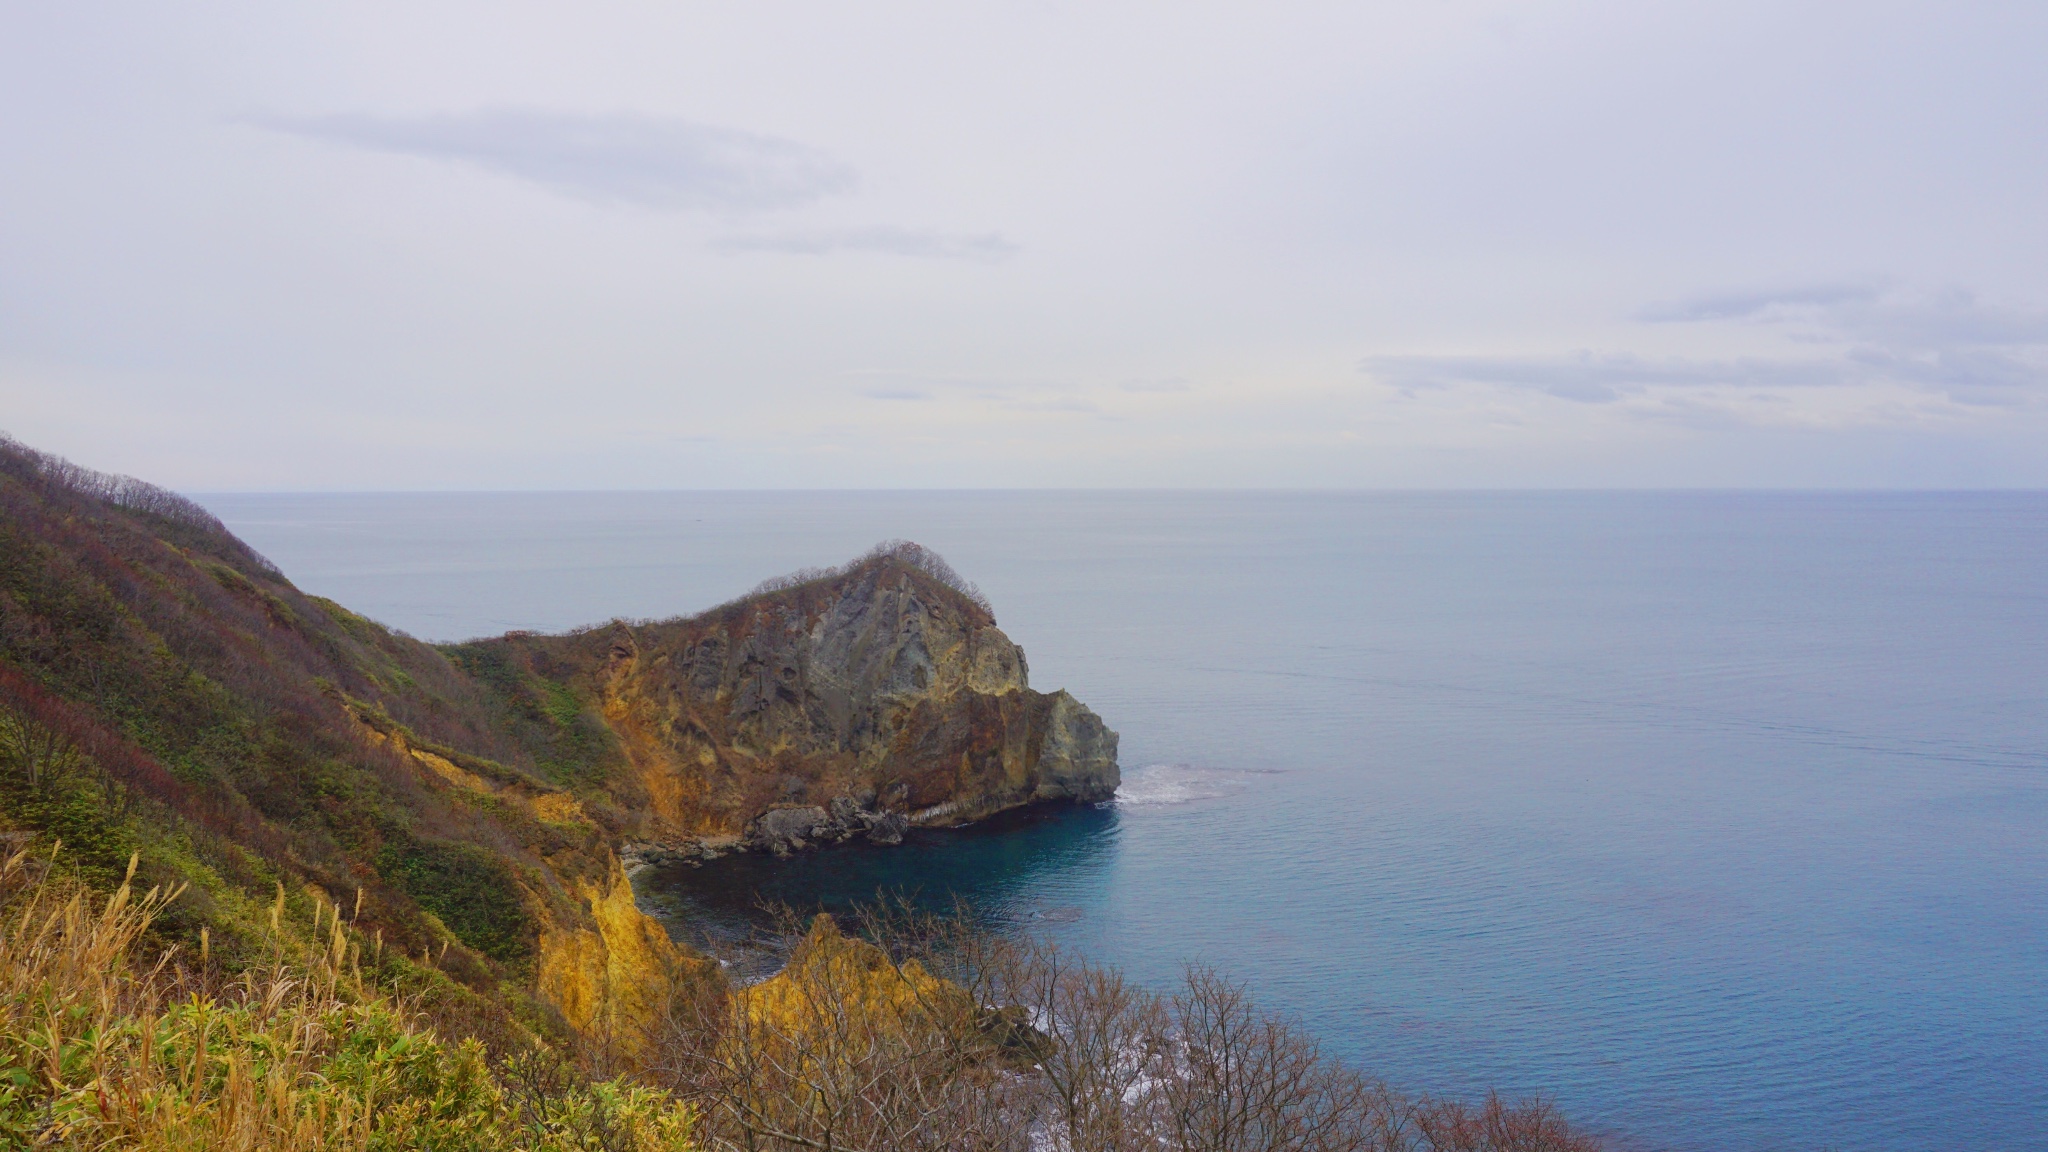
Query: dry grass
point(102, 1049)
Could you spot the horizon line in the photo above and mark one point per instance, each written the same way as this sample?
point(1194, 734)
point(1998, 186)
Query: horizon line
point(1561, 489)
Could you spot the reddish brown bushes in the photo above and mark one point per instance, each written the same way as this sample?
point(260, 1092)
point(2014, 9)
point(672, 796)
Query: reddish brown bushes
point(56, 724)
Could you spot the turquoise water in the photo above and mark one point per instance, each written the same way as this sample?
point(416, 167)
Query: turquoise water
point(1720, 819)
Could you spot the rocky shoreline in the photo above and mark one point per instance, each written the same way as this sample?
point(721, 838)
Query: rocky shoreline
point(785, 831)
point(782, 831)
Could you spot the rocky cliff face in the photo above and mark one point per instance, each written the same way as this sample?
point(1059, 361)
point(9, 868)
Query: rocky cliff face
point(859, 702)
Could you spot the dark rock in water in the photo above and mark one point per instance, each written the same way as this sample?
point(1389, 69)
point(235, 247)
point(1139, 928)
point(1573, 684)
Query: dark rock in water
point(786, 830)
point(781, 829)
point(888, 827)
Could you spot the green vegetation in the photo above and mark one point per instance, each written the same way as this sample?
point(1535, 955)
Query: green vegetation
point(469, 888)
point(49, 785)
point(569, 746)
point(104, 1046)
point(164, 691)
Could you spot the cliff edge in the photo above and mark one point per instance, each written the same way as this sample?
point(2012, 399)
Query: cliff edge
point(857, 701)
point(168, 697)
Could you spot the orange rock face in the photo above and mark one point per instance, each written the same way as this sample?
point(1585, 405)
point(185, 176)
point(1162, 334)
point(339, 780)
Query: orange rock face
point(856, 703)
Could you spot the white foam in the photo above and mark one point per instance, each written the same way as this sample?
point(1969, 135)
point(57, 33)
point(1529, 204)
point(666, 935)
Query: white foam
point(1156, 785)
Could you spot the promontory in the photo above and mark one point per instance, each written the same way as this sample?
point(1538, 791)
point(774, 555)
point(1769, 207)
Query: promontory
point(858, 701)
point(470, 810)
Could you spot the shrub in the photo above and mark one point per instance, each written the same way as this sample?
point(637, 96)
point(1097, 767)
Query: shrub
point(469, 887)
point(102, 1048)
point(908, 553)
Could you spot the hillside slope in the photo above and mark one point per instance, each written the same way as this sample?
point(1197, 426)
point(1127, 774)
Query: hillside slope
point(163, 689)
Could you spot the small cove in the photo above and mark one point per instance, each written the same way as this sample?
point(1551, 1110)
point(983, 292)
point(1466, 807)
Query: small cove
point(994, 869)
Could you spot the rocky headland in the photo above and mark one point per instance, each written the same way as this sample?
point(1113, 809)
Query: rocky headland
point(167, 694)
point(853, 702)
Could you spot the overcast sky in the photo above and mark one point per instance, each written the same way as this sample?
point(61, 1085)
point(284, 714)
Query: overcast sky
point(611, 245)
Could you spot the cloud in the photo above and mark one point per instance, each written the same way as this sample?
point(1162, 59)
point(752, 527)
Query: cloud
point(1864, 314)
point(1947, 343)
point(1595, 379)
point(1175, 384)
point(651, 162)
point(1007, 393)
point(983, 247)
point(1758, 305)
point(1057, 404)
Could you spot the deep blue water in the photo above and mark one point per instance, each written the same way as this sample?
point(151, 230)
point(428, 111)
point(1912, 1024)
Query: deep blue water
point(1722, 819)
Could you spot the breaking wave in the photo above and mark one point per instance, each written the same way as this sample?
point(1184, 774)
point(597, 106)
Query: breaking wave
point(1157, 785)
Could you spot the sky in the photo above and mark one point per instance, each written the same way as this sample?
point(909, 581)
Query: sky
point(399, 246)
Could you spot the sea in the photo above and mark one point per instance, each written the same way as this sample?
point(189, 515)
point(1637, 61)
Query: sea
point(1718, 819)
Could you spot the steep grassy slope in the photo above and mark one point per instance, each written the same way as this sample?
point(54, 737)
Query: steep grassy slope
point(164, 690)
point(104, 1045)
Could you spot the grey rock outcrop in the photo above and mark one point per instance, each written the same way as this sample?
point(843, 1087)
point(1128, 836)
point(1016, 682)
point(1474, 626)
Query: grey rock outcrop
point(785, 830)
point(852, 703)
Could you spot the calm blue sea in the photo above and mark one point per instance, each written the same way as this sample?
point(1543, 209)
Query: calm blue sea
point(1721, 819)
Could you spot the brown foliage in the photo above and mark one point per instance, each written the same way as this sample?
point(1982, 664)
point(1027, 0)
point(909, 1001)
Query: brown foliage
point(56, 473)
point(844, 1049)
point(856, 1046)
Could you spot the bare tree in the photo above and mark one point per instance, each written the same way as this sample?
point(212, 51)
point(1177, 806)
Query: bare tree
point(1497, 1126)
point(35, 749)
point(1097, 1039)
point(928, 1033)
point(845, 1050)
point(1236, 1079)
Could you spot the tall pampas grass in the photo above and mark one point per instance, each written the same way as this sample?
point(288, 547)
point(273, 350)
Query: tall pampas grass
point(103, 1047)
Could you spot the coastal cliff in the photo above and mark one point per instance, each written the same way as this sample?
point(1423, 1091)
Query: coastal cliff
point(858, 701)
point(467, 814)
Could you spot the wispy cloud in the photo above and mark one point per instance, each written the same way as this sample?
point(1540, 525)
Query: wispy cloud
point(1056, 404)
point(649, 161)
point(1594, 378)
point(1949, 343)
point(1052, 397)
point(1174, 384)
point(1763, 305)
point(1867, 314)
point(982, 247)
